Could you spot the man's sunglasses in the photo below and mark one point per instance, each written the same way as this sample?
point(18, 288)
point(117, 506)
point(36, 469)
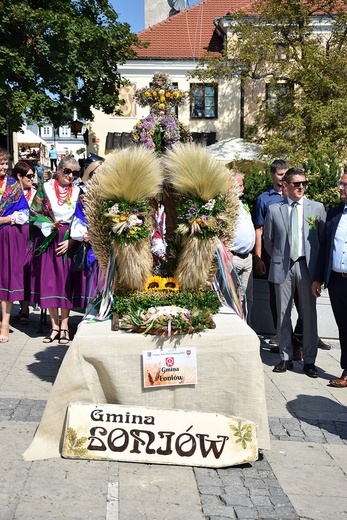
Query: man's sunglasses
point(299, 183)
point(68, 171)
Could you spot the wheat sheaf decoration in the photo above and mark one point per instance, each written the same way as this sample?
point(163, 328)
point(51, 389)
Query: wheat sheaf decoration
point(120, 215)
point(207, 209)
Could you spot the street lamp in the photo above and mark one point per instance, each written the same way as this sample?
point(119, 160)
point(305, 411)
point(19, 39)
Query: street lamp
point(76, 127)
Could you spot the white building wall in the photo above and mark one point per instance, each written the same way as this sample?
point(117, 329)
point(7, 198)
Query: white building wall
point(141, 73)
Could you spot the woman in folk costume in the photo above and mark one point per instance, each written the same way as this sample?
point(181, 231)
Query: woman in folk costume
point(14, 212)
point(79, 232)
point(24, 173)
point(54, 285)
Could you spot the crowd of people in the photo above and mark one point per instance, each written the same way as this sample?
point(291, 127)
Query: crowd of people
point(288, 241)
point(37, 262)
point(292, 246)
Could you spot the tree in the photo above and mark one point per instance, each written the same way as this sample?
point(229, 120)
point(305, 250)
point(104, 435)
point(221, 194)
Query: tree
point(57, 56)
point(287, 51)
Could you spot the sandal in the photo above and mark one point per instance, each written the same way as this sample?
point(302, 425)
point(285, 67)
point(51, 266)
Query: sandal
point(50, 338)
point(24, 319)
point(4, 337)
point(64, 337)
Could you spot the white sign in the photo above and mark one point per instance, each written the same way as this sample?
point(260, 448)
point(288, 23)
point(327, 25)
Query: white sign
point(141, 434)
point(169, 367)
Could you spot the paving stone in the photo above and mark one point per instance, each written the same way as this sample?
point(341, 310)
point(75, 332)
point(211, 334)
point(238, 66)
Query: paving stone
point(211, 490)
point(252, 482)
point(212, 506)
point(236, 500)
point(246, 513)
point(261, 501)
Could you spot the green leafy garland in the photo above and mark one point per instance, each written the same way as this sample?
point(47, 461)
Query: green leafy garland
point(132, 308)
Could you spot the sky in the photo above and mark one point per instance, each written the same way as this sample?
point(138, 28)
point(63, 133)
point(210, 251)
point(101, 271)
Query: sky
point(132, 11)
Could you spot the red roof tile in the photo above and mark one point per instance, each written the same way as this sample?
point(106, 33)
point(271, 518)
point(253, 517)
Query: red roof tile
point(190, 33)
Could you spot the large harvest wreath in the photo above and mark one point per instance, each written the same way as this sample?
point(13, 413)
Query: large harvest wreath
point(120, 205)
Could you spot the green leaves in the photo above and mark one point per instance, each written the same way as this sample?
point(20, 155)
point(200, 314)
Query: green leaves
point(59, 55)
point(289, 44)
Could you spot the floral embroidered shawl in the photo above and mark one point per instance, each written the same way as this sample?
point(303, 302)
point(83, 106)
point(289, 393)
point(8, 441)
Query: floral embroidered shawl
point(13, 199)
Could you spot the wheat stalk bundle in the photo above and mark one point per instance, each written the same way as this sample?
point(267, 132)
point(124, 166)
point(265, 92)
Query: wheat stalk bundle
point(130, 175)
point(194, 173)
point(97, 234)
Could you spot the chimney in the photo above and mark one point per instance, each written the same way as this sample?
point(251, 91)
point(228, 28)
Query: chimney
point(158, 10)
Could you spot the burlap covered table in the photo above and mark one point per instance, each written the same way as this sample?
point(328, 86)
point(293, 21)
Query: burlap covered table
point(103, 366)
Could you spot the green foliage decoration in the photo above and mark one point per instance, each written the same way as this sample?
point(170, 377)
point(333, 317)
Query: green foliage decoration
point(196, 310)
point(73, 445)
point(204, 299)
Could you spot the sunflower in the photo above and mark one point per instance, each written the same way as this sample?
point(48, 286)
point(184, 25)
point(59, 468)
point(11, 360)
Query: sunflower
point(170, 284)
point(153, 283)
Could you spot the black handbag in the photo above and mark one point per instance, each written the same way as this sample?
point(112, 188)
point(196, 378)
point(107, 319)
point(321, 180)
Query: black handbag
point(78, 255)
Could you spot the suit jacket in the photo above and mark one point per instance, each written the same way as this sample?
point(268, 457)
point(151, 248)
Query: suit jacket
point(325, 255)
point(276, 237)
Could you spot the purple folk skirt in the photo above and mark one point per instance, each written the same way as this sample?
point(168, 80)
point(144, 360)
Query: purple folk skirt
point(52, 282)
point(14, 250)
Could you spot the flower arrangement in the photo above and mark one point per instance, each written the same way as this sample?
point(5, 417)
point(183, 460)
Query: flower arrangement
point(312, 222)
point(202, 219)
point(160, 95)
point(158, 283)
point(127, 221)
point(160, 132)
point(166, 312)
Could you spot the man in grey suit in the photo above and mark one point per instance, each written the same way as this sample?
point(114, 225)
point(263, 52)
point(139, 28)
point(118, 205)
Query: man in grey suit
point(292, 233)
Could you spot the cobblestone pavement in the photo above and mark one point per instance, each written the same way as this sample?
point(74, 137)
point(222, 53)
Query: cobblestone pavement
point(307, 463)
point(243, 492)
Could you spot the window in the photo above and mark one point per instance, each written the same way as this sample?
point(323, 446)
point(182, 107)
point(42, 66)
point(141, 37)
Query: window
point(64, 131)
point(278, 96)
point(47, 131)
point(203, 101)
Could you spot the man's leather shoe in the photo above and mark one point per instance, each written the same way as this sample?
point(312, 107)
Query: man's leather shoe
point(323, 345)
point(311, 371)
point(341, 382)
point(283, 366)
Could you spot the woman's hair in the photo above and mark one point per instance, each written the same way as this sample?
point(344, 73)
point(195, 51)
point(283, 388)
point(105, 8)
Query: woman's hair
point(21, 169)
point(68, 159)
point(4, 155)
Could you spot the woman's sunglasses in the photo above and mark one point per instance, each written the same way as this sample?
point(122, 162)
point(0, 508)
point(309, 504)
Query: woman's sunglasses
point(29, 176)
point(68, 171)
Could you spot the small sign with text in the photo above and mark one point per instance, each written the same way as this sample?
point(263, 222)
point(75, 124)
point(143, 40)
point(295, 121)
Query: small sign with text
point(169, 367)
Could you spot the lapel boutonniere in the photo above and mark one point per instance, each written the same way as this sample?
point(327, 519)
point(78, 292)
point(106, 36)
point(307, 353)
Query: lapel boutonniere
point(312, 221)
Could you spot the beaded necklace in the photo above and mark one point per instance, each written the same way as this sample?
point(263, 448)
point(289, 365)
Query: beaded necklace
point(63, 194)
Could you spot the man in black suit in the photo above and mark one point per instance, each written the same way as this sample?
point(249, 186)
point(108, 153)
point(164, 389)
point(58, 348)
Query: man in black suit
point(331, 269)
